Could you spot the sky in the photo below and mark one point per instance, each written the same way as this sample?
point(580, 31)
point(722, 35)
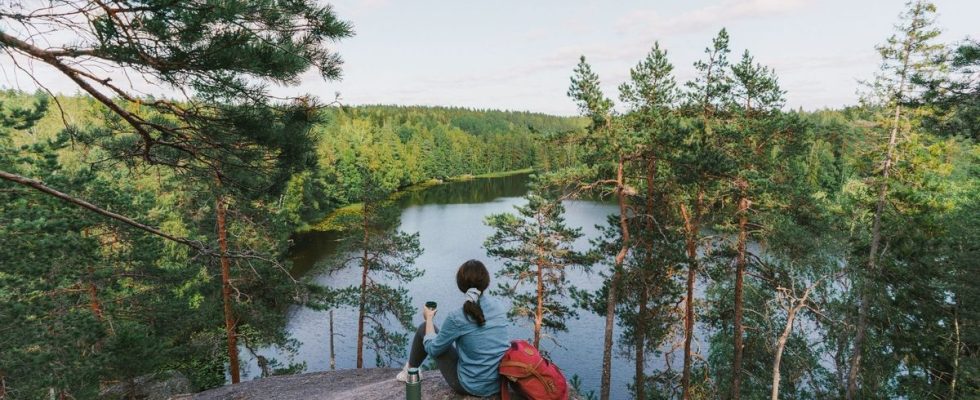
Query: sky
point(519, 55)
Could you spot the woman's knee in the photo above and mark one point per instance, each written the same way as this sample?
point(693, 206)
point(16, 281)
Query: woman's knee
point(421, 330)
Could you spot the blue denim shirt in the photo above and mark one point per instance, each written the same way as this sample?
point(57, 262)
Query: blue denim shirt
point(479, 348)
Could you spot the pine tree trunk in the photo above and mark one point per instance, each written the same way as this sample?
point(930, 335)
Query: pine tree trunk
point(743, 207)
point(641, 334)
point(364, 287)
point(862, 326)
point(691, 226)
point(956, 349)
point(539, 311)
point(226, 290)
point(855, 362)
point(689, 319)
point(613, 283)
point(608, 336)
point(333, 358)
point(93, 296)
point(93, 291)
point(781, 342)
point(641, 322)
point(94, 304)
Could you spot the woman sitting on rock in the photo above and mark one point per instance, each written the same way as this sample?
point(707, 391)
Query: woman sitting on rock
point(479, 331)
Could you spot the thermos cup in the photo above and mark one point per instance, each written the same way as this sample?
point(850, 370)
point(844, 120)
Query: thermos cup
point(413, 386)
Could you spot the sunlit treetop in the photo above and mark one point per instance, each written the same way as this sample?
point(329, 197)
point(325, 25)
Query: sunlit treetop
point(585, 90)
point(651, 84)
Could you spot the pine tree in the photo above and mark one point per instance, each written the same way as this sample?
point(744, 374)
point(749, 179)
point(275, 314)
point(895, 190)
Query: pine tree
point(710, 91)
point(385, 258)
point(708, 97)
point(949, 366)
point(651, 88)
point(536, 247)
point(585, 90)
point(113, 297)
point(757, 96)
point(221, 132)
point(909, 52)
point(953, 98)
point(611, 149)
point(651, 95)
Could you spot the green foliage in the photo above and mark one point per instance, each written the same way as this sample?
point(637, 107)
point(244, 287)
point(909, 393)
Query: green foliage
point(812, 181)
point(385, 258)
point(576, 383)
point(953, 101)
point(116, 304)
point(82, 298)
point(755, 86)
point(910, 52)
point(710, 91)
point(536, 248)
point(406, 146)
point(651, 85)
point(85, 302)
point(585, 90)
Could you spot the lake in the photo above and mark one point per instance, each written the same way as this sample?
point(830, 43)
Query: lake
point(449, 219)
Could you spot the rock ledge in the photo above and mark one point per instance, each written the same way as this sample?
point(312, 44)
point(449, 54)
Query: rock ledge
point(362, 384)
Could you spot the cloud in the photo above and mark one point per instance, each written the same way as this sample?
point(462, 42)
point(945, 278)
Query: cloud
point(649, 21)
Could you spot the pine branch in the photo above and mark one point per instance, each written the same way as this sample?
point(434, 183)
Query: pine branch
point(37, 185)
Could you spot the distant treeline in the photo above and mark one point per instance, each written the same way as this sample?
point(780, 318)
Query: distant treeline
point(403, 146)
point(399, 146)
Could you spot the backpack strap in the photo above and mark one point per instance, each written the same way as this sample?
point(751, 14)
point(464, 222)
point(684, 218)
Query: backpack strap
point(504, 389)
point(529, 370)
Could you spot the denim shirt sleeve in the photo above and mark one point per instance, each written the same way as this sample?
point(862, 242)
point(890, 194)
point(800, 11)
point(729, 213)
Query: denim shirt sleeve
point(436, 343)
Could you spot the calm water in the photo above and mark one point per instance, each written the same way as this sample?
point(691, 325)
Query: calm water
point(449, 220)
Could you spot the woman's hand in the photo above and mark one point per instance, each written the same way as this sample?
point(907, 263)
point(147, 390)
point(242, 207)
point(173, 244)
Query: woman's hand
point(428, 313)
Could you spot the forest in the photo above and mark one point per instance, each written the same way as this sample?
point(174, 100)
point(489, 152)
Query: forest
point(384, 148)
point(405, 146)
point(817, 254)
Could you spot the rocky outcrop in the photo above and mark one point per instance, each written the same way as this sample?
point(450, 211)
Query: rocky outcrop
point(361, 384)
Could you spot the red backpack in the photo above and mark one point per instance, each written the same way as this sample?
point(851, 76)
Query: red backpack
point(532, 375)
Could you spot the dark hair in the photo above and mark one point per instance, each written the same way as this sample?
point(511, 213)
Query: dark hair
point(473, 274)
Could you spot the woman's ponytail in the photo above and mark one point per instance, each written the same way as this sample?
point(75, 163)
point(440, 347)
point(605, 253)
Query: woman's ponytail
point(474, 312)
point(472, 279)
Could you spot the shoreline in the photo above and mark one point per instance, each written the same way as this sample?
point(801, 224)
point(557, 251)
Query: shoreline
point(329, 223)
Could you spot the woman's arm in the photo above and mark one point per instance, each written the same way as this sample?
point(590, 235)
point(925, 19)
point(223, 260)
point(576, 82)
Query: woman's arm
point(429, 315)
point(436, 343)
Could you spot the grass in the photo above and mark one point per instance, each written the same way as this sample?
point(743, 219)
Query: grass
point(423, 185)
point(491, 175)
point(335, 221)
